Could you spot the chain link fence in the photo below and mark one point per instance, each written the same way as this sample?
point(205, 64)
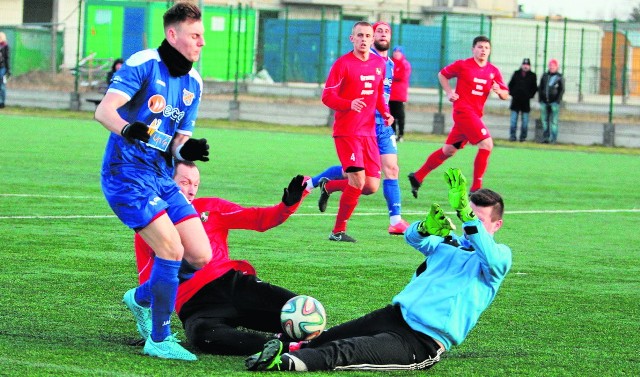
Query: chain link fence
point(599, 60)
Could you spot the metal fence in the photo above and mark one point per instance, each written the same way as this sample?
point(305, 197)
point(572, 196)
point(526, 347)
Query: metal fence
point(600, 61)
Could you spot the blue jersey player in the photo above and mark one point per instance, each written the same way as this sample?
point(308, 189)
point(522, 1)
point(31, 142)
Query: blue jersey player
point(442, 302)
point(386, 145)
point(150, 109)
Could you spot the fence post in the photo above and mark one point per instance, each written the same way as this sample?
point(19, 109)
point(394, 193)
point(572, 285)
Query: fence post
point(229, 43)
point(608, 135)
point(623, 75)
point(321, 54)
point(612, 73)
point(581, 68)
point(438, 118)
point(286, 45)
point(539, 132)
point(74, 104)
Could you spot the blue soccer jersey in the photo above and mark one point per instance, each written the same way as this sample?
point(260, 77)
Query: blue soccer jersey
point(385, 134)
point(137, 176)
point(388, 79)
point(168, 105)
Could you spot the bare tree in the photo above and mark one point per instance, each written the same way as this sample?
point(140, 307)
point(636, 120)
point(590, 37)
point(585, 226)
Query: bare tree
point(635, 14)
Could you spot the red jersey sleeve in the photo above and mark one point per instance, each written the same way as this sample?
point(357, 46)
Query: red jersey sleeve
point(331, 93)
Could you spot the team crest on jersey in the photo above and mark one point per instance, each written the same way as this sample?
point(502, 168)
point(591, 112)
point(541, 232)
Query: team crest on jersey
point(204, 216)
point(187, 97)
point(378, 71)
point(157, 103)
point(492, 76)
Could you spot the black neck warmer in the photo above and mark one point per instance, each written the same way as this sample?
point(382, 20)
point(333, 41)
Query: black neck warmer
point(178, 65)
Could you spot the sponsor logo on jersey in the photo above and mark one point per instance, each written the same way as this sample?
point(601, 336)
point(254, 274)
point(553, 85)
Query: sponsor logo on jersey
point(173, 113)
point(187, 97)
point(157, 103)
point(204, 216)
point(161, 83)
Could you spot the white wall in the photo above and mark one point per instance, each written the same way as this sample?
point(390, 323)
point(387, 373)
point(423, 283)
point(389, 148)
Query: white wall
point(10, 12)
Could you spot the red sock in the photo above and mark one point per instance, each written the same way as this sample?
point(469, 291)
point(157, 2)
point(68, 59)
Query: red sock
point(480, 167)
point(336, 185)
point(433, 161)
point(348, 203)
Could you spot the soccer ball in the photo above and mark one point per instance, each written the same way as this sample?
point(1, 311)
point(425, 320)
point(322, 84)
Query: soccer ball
point(303, 318)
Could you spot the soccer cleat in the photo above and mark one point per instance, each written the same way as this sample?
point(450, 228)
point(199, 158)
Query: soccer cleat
point(324, 194)
point(169, 348)
point(399, 228)
point(341, 236)
point(415, 185)
point(268, 359)
point(142, 314)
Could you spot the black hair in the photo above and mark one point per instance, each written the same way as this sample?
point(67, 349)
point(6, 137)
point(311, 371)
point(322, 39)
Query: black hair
point(480, 38)
point(488, 198)
point(181, 12)
point(116, 62)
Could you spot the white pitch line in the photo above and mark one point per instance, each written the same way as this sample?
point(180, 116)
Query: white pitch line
point(59, 368)
point(50, 196)
point(534, 212)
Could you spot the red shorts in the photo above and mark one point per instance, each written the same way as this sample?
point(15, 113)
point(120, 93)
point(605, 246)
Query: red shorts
point(360, 152)
point(467, 128)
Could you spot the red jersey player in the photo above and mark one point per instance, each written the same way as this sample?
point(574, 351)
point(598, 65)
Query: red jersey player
point(476, 78)
point(355, 90)
point(226, 293)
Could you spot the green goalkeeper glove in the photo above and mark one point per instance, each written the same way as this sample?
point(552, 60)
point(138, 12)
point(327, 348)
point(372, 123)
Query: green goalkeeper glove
point(458, 195)
point(436, 223)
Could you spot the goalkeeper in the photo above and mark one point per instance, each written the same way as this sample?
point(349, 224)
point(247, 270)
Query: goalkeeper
point(226, 294)
point(437, 308)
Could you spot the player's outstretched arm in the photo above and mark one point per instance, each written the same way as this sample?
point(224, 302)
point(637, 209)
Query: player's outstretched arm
point(293, 193)
point(192, 150)
point(458, 194)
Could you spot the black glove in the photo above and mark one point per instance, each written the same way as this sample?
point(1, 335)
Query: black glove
point(136, 130)
point(293, 193)
point(194, 149)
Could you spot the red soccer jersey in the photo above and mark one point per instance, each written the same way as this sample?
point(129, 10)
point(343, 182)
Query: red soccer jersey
point(218, 217)
point(352, 78)
point(473, 83)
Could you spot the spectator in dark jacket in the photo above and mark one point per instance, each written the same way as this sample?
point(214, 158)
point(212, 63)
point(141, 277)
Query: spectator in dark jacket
point(550, 94)
point(4, 67)
point(399, 90)
point(522, 87)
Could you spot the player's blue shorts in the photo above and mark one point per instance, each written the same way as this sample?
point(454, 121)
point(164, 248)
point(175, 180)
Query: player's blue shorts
point(137, 198)
point(386, 140)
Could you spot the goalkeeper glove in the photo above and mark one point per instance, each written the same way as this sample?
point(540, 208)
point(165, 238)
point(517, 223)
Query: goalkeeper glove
point(193, 149)
point(293, 193)
point(436, 223)
point(458, 196)
point(136, 130)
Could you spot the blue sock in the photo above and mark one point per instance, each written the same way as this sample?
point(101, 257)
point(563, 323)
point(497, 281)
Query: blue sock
point(333, 172)
point(143, 294)
point(391, 191)
point(164, 287)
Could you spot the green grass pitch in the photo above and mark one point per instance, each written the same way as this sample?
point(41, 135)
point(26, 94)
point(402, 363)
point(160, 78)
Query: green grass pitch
point(569, 307)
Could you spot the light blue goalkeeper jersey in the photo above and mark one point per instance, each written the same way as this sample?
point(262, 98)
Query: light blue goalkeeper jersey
point(168, 105)
point(457, 282)
point(388, 79)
